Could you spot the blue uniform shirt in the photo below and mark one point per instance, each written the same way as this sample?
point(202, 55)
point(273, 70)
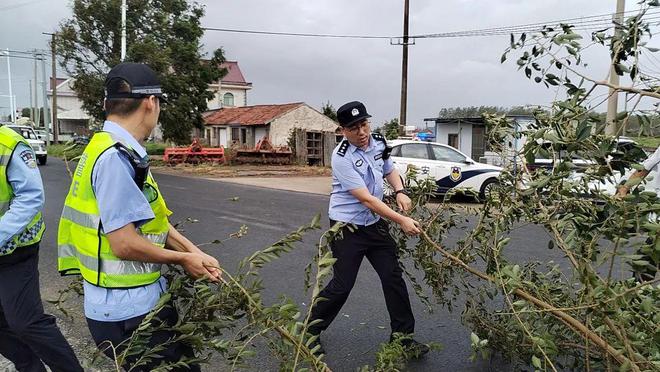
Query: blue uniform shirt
point(120, 202)
point(357, 168)
point(25, 181)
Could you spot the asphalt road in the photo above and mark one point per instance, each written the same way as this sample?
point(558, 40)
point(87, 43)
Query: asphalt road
point(221, 209)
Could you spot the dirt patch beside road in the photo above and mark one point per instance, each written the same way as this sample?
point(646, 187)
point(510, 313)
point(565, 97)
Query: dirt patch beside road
point(232, 171)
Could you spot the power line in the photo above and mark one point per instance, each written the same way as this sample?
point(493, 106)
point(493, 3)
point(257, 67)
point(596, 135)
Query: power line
point(579, 21)
point(593, 22)
point(13, 6)
point(21, 57)
point(295, 34)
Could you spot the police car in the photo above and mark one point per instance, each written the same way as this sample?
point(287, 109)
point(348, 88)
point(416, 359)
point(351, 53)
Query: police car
point(37, 144)
point(449, 167)
point(607, 186)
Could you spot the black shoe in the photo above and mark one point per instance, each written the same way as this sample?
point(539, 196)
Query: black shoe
point(414, 348)
point(316, 343)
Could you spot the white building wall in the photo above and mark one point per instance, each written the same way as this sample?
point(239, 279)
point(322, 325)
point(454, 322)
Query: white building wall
point(260, 133)
point(302, 117)
point(240, 97)
point(464, 139)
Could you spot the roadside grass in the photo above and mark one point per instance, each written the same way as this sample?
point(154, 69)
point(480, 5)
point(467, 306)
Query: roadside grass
point(647, 142)
point(67, 149)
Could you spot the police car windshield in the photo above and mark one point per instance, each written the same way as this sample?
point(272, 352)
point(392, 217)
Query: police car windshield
point(27, 133)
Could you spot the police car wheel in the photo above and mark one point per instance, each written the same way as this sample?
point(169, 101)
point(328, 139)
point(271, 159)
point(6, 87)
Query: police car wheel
point(487, 188)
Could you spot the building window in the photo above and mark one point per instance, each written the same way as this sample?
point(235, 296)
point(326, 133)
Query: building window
point(228, 100)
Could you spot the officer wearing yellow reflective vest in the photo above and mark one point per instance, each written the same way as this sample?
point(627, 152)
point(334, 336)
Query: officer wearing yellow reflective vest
point(114, 229)
point(28, 337)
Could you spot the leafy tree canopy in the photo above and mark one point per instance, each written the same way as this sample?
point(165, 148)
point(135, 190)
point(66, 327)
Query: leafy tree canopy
point(165, 34)
point(391, 129)
point(329, 111)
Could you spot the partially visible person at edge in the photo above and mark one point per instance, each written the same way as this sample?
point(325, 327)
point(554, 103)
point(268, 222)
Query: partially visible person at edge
point(28, 337)
point(649, 253)
point(114, 229)
point(359, 164)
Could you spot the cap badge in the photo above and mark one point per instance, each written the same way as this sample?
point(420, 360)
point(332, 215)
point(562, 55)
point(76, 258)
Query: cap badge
point(355, 112)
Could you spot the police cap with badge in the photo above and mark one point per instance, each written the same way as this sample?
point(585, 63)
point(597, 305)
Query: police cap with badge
point(142, 82)
point(352, 113)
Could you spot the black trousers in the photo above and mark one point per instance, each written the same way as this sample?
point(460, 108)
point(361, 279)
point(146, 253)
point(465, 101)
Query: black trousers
point(375, 243)
point(118, 332)
point(29, 337)
point(646, 273)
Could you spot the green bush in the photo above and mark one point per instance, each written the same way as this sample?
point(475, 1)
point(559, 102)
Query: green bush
point(156, 148)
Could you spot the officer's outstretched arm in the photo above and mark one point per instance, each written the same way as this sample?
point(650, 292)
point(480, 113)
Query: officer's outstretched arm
point(178, 242)
point(623, 189)
point(402, 200)
point(128, 245)
point(408, 225)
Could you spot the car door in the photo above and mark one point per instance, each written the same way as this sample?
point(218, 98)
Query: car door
point(413, 154)
point(448, 166)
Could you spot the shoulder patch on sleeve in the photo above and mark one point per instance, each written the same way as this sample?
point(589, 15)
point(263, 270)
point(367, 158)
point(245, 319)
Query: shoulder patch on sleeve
point(343, 147)
point(28, 158)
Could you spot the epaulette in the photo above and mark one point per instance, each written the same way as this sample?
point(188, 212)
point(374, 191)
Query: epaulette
point(379, 137)
point(343, 147)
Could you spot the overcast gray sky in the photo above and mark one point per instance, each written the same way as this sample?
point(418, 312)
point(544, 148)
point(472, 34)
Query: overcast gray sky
point(442, 72)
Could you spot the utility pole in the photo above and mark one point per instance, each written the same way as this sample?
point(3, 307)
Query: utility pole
point(123, 29)
point(31, 101)
point(44, 95)
point(53, 83)
point(611, 126)
point(37, 114)
point(11, 94)
point(404, 72)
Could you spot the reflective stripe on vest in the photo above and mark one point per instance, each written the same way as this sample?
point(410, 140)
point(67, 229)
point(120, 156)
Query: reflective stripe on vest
point(82, 246)
point(34, 230)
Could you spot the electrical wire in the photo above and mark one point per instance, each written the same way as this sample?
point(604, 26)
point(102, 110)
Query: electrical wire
point(586, 23)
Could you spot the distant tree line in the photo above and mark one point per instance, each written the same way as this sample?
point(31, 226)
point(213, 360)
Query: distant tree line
point(649, 126)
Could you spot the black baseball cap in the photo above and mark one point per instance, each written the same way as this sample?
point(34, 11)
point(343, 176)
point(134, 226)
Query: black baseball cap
point(141, 79)
point(351, 113)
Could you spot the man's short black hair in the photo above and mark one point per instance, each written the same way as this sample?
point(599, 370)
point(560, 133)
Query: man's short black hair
point(121, 106)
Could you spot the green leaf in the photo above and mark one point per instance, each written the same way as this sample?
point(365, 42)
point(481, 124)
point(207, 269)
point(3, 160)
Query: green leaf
point(622, 115)
point(503, 58)
point(474, 338)
point(536, 362)
point(571, 37)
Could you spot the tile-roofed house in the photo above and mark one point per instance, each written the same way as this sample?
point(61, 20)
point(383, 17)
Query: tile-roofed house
point(231, 90)
point(249, 124)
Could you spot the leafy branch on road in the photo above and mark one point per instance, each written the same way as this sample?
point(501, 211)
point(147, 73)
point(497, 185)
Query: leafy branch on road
point(581, 309)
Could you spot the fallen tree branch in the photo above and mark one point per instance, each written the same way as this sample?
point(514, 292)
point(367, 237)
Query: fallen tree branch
point(573, 323)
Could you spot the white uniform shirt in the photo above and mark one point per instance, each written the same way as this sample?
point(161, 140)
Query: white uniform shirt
point(652, 164)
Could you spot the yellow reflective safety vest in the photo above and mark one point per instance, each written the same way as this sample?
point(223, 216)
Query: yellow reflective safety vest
point(35, 229)
point(83, 248)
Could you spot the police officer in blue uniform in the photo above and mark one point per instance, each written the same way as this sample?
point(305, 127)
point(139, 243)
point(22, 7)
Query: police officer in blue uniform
point(132, 105)
point(359, 164)
point(28, 337)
